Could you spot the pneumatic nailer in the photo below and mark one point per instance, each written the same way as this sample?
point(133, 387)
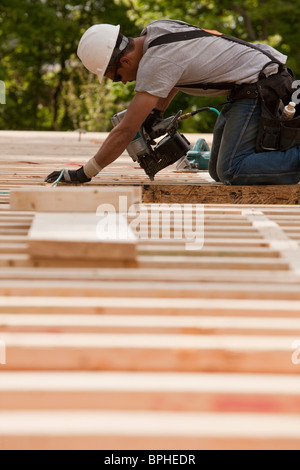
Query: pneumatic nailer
point(154, 157)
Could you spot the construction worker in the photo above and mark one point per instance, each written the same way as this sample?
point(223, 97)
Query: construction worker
point(212, 62)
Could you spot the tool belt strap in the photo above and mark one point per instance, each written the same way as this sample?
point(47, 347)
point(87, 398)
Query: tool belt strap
point(244, 92)
point(200, 33)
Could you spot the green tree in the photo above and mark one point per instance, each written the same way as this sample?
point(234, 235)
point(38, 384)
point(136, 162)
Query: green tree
point(48, 88)
point(273, 23)
point(39, 40)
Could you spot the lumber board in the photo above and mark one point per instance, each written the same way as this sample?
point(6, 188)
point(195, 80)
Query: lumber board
point(87, 430)
point(24, 260)
point(144, 289)
point(79, 236)
point(123, 324)
point(73, 199)
point(13, 248)
point(140, 306)
point(130, 352)
point(149, 392)
point(219, 262)
point(148, 275)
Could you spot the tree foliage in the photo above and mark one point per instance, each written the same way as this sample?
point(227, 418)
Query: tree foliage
point(47, 87)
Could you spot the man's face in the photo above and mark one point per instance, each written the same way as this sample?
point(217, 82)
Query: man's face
point(124, 71)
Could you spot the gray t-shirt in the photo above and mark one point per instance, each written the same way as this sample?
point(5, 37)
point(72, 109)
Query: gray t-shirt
point(210, 59)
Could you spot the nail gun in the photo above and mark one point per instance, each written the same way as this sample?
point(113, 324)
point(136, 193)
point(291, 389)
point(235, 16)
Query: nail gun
point(152, 156)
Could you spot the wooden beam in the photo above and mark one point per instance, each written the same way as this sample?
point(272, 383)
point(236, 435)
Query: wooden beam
point(81, 236)
point(146, 352)
point(150, 306)
point(150, 391)
point(92, 430)
point(220, 194)
point(130, 288)
point(72, 199)
point(168, 274)
point(129, 324)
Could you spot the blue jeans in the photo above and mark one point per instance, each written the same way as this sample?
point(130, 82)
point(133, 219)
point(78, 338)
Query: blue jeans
point(233, 157)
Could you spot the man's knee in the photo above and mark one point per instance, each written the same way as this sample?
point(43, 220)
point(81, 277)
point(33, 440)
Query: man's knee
point(224, 175)
point(212, 167)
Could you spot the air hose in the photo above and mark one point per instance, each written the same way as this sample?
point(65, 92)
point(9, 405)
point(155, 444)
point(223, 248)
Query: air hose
point(58, 179)
point(197, 111)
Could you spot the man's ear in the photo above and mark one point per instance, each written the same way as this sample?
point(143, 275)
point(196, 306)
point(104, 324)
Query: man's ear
point(125, 61)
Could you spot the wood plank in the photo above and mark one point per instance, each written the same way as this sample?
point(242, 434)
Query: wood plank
point(153, 247)
point(151, 289)
point(77, 430)
point(149, 392)
point(123, 324)
point(72, 199)
point(129, 352)
point(147, 275)
point(210, 262)
point(13, 248)
point(144, 306)
point(81, 236)
point(24, 260)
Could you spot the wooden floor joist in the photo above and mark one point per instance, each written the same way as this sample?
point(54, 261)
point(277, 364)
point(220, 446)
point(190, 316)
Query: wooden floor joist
point(146, 352)
point(86, 430)
point(187, 349)
point(150, 391)
point(82, 199)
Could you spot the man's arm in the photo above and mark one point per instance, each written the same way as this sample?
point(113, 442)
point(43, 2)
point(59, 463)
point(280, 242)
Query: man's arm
point(121, 136)
point(115, 144)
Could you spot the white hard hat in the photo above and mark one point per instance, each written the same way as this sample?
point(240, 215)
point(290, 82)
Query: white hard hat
point(96, 48)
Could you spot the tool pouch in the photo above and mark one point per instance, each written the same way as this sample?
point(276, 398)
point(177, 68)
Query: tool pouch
point(275, 133)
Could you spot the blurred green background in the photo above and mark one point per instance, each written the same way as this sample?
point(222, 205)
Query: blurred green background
point(47, 88)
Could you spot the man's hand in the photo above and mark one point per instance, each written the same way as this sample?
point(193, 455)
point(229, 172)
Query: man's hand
point(70, 177)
